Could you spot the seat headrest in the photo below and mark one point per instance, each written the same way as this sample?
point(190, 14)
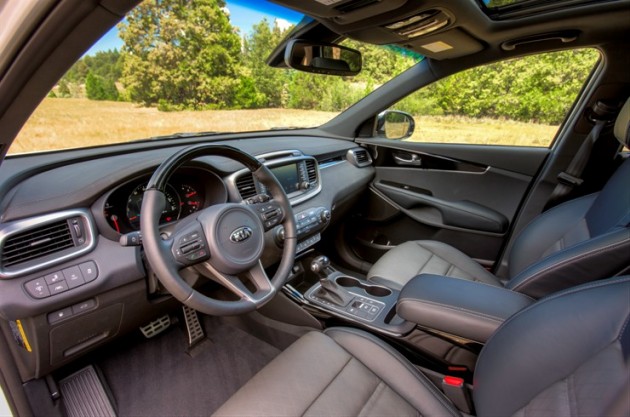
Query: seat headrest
point(622, 125)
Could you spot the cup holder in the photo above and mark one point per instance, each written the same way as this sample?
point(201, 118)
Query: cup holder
point(373, 290)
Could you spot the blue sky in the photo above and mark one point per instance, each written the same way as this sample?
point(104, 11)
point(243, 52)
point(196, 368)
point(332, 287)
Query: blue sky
point(243, 14)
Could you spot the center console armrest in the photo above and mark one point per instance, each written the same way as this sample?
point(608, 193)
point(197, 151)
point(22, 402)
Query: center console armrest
point(469, 309)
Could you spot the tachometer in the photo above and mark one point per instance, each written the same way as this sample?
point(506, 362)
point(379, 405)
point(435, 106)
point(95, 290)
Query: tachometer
point(171, 212)
point(192, 199)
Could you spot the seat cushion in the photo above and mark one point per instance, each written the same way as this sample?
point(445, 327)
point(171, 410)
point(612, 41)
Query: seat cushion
point(339, 372)
point(412, 258)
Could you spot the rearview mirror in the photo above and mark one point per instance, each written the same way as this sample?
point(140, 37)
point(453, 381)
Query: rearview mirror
point(394, 124)
point(322, 58)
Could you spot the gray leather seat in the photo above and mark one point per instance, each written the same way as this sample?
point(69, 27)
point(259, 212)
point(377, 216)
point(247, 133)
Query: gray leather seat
point(565, 355)
point(581, 240)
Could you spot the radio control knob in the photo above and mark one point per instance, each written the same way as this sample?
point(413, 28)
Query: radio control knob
point(305, 185)
point(324, 215)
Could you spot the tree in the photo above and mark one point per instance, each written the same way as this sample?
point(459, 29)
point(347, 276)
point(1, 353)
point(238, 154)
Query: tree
point(268, 81)
point(183, 54)
point(99, 88)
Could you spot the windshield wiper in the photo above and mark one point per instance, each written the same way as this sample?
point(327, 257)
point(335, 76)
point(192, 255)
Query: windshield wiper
point(179, 135)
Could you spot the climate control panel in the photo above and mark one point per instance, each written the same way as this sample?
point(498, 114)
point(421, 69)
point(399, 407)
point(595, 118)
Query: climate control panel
point(307, 223)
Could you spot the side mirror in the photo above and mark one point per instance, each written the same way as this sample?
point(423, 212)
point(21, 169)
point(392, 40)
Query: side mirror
point(322, 58)
point(394, 124)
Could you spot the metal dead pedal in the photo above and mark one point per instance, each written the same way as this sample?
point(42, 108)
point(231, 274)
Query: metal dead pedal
point(84, 395)
point(156, 327)
point(193, 326)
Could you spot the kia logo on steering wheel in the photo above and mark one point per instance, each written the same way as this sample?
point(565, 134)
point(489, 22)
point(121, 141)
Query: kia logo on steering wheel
point(241, 234)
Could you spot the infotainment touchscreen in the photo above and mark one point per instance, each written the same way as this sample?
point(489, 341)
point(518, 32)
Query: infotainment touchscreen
point(287, 176)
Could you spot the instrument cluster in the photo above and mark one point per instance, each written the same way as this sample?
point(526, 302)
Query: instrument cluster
point(187, 191)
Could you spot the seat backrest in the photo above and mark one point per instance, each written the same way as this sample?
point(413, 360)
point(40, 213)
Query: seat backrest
point(579, 241)
point(568, 354)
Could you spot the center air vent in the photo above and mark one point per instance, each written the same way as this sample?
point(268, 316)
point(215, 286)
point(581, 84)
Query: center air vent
point(311, 171)
point(245, 185)
point(31, 244)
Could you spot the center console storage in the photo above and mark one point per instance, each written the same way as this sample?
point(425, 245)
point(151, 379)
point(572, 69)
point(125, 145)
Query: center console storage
point(468, 309)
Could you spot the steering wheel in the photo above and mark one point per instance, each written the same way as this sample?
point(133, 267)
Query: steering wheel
point(224, 242)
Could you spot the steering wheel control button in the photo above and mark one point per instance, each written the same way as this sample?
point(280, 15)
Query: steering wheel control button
point(190, 248)
point(74, 277)
point(53, 278)
point(37, 288)
point(89, 271)
point(59, 315)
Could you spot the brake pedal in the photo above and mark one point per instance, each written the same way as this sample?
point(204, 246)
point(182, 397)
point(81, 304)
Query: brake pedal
point(156, 327)
point(193, 326)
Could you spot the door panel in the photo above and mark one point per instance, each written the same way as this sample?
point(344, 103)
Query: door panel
point(463, 195)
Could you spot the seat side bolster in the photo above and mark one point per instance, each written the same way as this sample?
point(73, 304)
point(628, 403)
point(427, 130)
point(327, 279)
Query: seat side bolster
point(394, 370)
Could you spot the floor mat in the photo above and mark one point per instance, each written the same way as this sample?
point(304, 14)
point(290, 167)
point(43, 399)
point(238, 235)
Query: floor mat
point(157, 378)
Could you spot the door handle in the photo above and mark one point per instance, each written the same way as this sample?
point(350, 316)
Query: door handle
point(414, 160)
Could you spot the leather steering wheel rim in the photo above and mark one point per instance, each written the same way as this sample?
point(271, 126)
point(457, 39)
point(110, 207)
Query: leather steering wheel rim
point(166, 260)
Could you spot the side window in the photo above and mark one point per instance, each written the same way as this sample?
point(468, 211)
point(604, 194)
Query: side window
point(520, 102)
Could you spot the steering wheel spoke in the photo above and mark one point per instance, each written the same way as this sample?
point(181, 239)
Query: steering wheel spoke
point(263, 289)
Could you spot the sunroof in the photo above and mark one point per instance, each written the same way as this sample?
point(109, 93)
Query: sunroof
point(498, 9)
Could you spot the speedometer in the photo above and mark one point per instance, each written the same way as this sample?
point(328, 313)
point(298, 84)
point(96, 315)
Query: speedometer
point(171, 212)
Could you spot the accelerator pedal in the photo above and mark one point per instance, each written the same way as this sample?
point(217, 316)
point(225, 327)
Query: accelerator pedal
point(156, 327)
point(193, 327)
point(84, 395)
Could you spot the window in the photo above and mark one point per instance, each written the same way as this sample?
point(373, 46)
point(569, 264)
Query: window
point(520, 102)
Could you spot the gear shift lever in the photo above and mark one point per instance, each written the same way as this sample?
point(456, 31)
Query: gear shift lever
point(329, 290)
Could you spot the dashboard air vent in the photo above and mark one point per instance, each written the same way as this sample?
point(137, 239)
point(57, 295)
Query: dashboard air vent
point(359, 157)
point(37, 242)
point(246, 186)
point(311, 171)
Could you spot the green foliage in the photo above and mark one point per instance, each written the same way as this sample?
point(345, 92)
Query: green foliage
point(538, 88)
point(184, 52)
point(99, 88)
point(267, 82)
point(106, 66)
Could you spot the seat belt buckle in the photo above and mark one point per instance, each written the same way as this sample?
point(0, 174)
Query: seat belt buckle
point(570, 180)
point(455, 389)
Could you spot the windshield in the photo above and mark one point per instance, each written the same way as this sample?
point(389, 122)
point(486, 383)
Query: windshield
point(179, 68)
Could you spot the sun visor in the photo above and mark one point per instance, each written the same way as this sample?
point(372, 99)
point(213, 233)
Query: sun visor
point(445, 45)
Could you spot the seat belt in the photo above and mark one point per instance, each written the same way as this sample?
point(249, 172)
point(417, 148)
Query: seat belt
point(601, 114)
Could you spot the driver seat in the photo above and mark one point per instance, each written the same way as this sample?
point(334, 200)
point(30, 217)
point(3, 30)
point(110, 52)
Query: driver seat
point(568, 354)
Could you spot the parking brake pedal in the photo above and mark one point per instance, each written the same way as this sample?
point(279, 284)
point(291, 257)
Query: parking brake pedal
point(193, 327)
point(84, 395)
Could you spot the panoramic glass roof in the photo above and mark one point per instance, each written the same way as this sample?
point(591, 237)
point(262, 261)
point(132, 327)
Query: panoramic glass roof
point(512, 8)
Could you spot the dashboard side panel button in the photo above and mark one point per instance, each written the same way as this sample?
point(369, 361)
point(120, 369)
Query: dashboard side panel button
point(89, 270)
point(58, 288)
point(37, 288)
point(73, 276)
point(59, 315)
point(54, 278)
point(84, 306)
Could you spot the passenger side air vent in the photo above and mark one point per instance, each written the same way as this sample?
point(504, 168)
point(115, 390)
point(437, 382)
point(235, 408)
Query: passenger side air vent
point(311, 171)
point(359, 157)
point(35, 243)
point(31, 244)
point(246, 186)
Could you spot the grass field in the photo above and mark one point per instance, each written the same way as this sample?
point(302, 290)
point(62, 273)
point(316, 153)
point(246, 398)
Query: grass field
point(69, 123)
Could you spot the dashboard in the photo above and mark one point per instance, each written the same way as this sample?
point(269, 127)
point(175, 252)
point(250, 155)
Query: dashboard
point(83, 287)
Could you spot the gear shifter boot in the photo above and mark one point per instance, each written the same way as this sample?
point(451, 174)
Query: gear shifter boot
point(333, 293)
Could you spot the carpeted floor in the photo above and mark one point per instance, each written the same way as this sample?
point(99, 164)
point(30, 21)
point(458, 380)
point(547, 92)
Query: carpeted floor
point(158, 378)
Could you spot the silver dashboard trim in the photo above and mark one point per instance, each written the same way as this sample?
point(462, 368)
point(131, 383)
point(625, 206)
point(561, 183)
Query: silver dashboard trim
point(292, 156)
point(18, 226)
